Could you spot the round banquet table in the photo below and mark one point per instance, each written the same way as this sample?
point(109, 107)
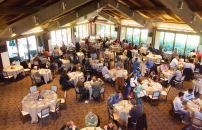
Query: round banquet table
point(91, 128)
point(134, 52)
point(192, 107)
point(143, 68)
point(17, 69)
point(75, 76)
point(168, 55)
point(155, 86)
point(111, 73)
point(33, 106)
point(115, 48)
point(197, 86)
point(153, 58)
point(88, 86)
point(122, 109)
point(109, 54)
point(80, 55)
point(82, 43)
point(46, 73)
point(65, 63)
point(168, 74)
point(143, 50)
point(123, 58)
point(95, 64)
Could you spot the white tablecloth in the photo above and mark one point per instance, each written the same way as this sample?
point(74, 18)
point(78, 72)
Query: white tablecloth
point(95, 64)
point(168, 55)
point(197, 86)
point(46, 73)
point(80, 55)
point(168, 74)
point(123, 58)
point(17, 69)
point(192, 107)
point(111, 73)
point(65, 63)
point(115, 48)
point(89, 87)
point(153, 58)
point(134, 52)
point(33, 107)
point(75, 76)
point(142, 69)
point(109, 54)
point(143, 50)
point(155, 86)
point(122, 109)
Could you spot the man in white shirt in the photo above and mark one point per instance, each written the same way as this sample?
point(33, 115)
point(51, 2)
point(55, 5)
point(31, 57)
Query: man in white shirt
point(174, 62)
point(105, 71)
point(133, 80)
point(180, 108)
point(189, 94)
point(187, 65)
point(192, 53)
point(118, 73)
point(76, 40)
point(137, 56)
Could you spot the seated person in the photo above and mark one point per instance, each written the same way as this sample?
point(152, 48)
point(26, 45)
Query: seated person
point(174, 62)
point(87, 77)
point(36, 74)
point(192, 53)
point(188, 95)
point(136, 64)
point(71, 126)
point(117, 97)
point(66, 76)
point(180, 108)
point(153, 76)
point(133, 80)
point(72, 68)
point(118, 73)
point(81, 87)
point(84, 60)
point(187, 65)
point(149, 63)
point(91, 120)
point(137, 56)
point(55, 51)
point(96, 85)
point(119, 64)
point(105, 71)
point(67, 57)
point(164, 67)
point(176, 75)
point(111, 126)
point(37, 59)
point(135, 111)
point(50, 66)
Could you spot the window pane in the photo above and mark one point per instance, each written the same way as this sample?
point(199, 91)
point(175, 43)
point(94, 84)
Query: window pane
point(84, 31)
point(102, 29)
point(53, 39)
point(180, 42)
point(136, 36)
point(107, 31)
point(169, 40)
point(192, 43)
point(112, 31)
point(23, 49)
point(80, 31)
point(144, 35)
point(87, 30)
point(12, 50)
point(32, 46)
point(77, 31)
point(59, 37)
point(161, 39)
point(64, 36)
point(129, 34)
point(98, 29)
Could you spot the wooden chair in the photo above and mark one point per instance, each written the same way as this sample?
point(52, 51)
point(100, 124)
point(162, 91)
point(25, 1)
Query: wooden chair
point(54, 88)
point(155, 96)
point(56, 67)
point(33, 89)
point(22, 114)
point(162, 78)
point(36, 63)
point(44, 113)
point(112, 115)
point(63, 100)
point(196, 123)
point(172, 112)
point(5, 75)
point(101, 94)
point(165, 93)
point(99, 71)
point(32, 78)
point(158, 62)
point(179, 82)
point(78, 93)
point(57, 109)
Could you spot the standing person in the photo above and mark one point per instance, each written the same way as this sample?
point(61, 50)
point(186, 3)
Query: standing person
point(180, 108)
point(137, 90)
point(136, 64)
point(96, 85)
point(125, 40)
point(199, 55)
point(129, 48)
point(46, 53)
point(123, 46)
point(86, 42)
point(71, 126)
point(93, 52)
point(98, 49)
point(91, 120)
point(76, 42)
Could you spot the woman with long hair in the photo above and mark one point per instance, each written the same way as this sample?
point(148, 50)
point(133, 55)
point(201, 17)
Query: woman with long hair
point(137, 90)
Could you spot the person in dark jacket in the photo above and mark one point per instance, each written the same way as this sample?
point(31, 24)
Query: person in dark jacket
point(50, 66)
point(81, 87)
point(87, 77)
point(72, 68)
point(134, 112)
point(71, 126)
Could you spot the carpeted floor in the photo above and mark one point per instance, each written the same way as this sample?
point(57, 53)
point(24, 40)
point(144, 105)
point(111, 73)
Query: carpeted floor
point(11, 94)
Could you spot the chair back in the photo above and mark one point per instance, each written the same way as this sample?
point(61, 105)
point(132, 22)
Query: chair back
point(17, 62)
point(65, 94)
point(56, 65)
point(33, 89)
point(111, 116)
point(19, 109)
point(36, 63)
point(56, 54)
point(5, 74)
point(182, 78)
point(156, 94)
point(77, 90)
point(54, 88)
point(158, 60)
point(57, 105)
point(100, 68)
point(168, 89)
point(141, 122)
point(172, 104)
point(32, 77)
point(196, 122)
point(102, 90)
point(161, 75)
point(45, 111)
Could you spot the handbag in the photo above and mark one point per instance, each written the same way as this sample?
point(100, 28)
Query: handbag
point(141, 94)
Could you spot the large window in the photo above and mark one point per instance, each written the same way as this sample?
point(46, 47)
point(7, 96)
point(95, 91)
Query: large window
point(59, 37)
point(103, 30)
point(129, 34)
point(23, 49)
point(136, 36)
point(192, 43)
point(64, 36)
point(81, 31)
point(32, 46)
point(168, 41)
point(144, 35)
point(180, 42)
point(12, 50)
point(53, 39)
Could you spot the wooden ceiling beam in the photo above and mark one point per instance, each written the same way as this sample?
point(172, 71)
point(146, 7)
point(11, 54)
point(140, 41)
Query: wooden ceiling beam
point(17, 10)
point(150, 9)
point(173, 16)
point(154, 2)
point(109, 18)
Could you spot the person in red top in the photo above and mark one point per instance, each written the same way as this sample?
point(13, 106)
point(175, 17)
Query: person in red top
point(46, 53)
point(199, 55)
point(129, 48)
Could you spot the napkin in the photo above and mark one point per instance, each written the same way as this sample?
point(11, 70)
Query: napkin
point(25, 98)
point(124, 109)
point(28, 94)
point(35, 92)
point(34, 105)
point(32, 102)
point(40, 105)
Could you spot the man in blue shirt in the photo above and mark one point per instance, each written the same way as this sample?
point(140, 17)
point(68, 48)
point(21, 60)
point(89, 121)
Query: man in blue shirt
point(136, 64)
point(117, 97)
point(149, 63)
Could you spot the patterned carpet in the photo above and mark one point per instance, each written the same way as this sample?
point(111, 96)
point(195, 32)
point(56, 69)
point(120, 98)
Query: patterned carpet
point(11, 94)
